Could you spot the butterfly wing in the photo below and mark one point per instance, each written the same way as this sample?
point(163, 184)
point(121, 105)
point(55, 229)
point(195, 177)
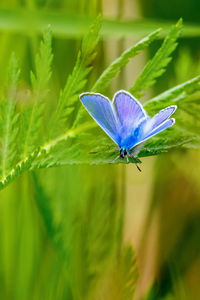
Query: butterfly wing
point(155, 125)
point(166, 124)
point(130, 113)
point(159, 118)
point(103, 112)
point(124, 120)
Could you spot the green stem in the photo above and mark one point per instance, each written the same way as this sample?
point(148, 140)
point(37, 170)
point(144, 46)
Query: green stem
point(64, 25)
point(25, 163)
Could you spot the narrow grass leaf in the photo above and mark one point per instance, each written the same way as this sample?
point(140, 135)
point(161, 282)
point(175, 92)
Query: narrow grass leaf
point(9, 120)
point(77, 80)
point(33, 114)
point(129, 273)
point(175, 95)
point(104, 80)
point(157, 65)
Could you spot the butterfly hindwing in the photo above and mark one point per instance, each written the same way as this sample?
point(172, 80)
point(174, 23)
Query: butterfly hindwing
point(158, 119)
point(161, 127)
point(156, 124)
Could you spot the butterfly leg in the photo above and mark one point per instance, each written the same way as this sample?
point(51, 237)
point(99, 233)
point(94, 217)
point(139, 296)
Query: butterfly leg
point(115, 159)
point(135, 156)
point(138, 167)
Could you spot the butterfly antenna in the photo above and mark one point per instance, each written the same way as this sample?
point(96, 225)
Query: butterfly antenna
point(138, 168)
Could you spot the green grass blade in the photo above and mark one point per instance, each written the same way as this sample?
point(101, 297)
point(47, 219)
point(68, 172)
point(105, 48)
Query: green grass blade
point(69, 26)
point(18, 169)
point(104, 80)
point(129, 273)
point(175, 95)
point(157, 65)
point(9, 120)
point(34, 111)
point(77, 80)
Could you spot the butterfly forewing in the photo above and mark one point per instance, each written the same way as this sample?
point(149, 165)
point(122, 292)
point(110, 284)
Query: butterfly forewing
point(103, 112)
point(130, 112)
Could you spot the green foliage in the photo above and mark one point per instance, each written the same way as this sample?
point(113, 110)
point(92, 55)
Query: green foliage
point(82, 216)
point(77, 81)
point(72, 131)
point(66, 25)
point(186, 130)
point(176, 94)
point(169, 297)
point(83, 230)
point(33, 112)
point(157, 65)
point(129, 273)
point(18, 169)
point(115, 67)
point(43, 64)
point(9, 125)
point(44, 205)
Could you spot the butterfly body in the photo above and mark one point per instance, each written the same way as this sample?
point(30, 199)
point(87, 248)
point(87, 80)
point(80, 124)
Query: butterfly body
point(125, 121)
point(123, 152)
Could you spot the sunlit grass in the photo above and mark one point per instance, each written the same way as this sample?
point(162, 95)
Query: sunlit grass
point(65, 230)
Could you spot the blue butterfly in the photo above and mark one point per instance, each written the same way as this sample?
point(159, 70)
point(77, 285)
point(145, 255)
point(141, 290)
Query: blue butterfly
point(125, 121)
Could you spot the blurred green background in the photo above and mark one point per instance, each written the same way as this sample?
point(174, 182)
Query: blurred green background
point(157, 211)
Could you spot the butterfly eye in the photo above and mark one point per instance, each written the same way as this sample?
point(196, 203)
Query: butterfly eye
point(121, 154)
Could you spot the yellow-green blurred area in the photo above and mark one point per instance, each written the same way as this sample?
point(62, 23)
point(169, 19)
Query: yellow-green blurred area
point(59, 227)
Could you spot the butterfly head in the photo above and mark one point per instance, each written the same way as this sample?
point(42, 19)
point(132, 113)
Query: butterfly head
point(123, 152)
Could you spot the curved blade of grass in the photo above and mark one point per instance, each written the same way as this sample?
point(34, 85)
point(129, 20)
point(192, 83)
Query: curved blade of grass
point(9, 120)
point(157, 65)
point(33, 113)
point(65, 25)
point(104, 80)
point(77, 80)
point(176, 95)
